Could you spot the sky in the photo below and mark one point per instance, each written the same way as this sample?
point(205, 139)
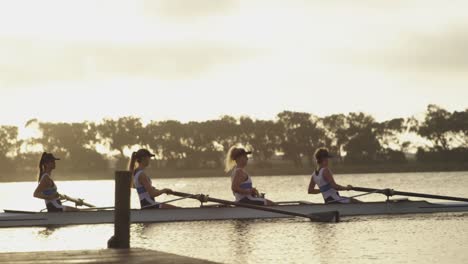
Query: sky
point(197, 60)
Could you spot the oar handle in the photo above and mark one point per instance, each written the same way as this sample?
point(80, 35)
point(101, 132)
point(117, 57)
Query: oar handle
point(206, 198)
point(391, 192)
point(76, 201)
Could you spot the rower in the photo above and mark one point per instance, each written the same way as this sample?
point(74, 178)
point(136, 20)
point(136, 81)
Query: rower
point(241, 182)
point(142, 182)
point(46, 188)
point(323, 178)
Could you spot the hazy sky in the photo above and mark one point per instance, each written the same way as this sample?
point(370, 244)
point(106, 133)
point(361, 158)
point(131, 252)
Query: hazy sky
point(196, 60)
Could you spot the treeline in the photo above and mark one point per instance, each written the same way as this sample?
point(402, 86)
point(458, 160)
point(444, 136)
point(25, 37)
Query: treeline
point(356, 137)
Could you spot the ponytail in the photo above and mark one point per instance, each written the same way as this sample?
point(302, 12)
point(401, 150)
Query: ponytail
point(229, 163)
point(139, 156)
point(131, 165)
point(41, 166)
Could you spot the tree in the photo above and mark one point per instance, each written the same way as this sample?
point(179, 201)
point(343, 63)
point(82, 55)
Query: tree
point(335, 127)
point(363, 145)
point(448, 133)
point(8, 145)
point(263, 136)
point(119, 134)
point(73, 142)
point(437, 127)
point(388, 132)
point(166, 139)
point(459, 128)
point(8, 139)
point(302, 136)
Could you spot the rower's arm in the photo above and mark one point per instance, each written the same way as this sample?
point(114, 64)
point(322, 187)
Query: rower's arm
point(153, 192)
point(329, 177)
point(238, 179)
point(312, 185)
point(43, 184)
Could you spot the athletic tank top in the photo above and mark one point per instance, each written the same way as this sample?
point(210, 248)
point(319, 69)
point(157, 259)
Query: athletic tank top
point(145, 199)
point(53, 205)
point(325, 187)
point(247, 184)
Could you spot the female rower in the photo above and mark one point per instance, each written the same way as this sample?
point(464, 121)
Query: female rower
point(142, 182)
point(46, 188)
point(323, 178)
point(241, 182)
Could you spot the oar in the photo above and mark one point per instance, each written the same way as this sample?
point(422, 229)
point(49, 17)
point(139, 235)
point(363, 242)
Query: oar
point(77, 202)
point(331, 216)
point(98, 208)
point(391, 192)
point(112, 207)
point(359, 195)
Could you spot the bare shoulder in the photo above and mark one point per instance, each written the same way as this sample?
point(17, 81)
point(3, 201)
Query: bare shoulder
point(239, 173)
point(327, 171)
point(46, 178)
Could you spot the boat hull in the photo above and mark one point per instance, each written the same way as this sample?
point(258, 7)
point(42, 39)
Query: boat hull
point(392, 207)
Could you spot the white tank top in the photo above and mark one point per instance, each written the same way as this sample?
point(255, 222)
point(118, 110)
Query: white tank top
point(247, 184)
point(325, 187)
point(142, 192)
point(50, 190)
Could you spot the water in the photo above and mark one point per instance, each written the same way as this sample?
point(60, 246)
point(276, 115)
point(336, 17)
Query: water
point(397, 239)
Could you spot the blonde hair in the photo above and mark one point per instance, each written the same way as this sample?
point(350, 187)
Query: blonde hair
point(230, 163)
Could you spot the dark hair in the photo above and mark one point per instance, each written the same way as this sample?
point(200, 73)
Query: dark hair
point(138, 156)
point(41, 166)
point(131, 164)
point(45, 157)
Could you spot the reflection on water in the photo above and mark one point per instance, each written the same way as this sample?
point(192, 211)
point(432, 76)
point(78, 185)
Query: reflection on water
point(324, 241)
point(385, 239)
point(239, 241)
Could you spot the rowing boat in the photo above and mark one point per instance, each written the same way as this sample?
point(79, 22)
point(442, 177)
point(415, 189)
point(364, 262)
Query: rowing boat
point(218, 212)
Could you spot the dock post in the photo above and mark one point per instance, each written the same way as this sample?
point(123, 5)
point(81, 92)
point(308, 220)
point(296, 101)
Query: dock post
point(121, 238)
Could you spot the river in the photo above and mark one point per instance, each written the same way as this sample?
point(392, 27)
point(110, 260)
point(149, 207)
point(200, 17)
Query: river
point(435, 238)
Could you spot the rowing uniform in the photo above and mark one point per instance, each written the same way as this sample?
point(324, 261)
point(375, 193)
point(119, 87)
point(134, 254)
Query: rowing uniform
point(53, 205)
point(146, 201)
point(247, 184)
point(328, 192)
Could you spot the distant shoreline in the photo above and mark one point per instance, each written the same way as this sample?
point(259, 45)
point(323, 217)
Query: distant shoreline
point(23, 176)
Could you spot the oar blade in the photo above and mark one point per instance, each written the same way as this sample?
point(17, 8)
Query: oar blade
point(325, 217)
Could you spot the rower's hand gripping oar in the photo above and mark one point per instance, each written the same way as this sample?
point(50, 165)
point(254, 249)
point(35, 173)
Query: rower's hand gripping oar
point(391, 192)
point(78, 202)
point(331, 216)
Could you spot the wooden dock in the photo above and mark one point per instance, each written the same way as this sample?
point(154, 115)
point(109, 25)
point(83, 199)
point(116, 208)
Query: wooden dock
point(133, 255)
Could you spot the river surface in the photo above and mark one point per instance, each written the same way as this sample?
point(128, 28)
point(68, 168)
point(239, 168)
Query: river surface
point(435, 238)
